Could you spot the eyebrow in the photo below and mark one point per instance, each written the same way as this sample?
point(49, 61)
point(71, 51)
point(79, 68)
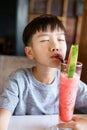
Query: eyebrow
point(46, 34)
point(43, 35)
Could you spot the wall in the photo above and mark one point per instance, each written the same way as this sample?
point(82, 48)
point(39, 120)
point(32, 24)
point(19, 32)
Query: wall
point(21, 21)
point(8, 25)
point(83, 45)
point(7, 17)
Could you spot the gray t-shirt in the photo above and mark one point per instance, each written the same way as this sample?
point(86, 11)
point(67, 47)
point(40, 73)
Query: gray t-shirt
point(24, 95)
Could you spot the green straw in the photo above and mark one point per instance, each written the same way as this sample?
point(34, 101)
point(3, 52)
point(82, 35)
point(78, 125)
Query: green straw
point(73, 61)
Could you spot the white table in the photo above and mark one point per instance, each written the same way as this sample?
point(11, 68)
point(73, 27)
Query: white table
point(33, 122)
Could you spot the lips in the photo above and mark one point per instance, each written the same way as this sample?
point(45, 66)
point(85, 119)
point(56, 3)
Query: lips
point(57, 57)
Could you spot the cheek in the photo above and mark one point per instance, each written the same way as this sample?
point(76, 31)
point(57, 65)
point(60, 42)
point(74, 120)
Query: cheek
point(40, 49)
point(37, 51)
point(64, 49)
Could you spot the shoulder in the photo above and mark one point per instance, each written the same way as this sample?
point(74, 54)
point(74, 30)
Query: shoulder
point(20, 76)
point(18, 79)
point(82, 89)
point(23, 72)
point(82, 85)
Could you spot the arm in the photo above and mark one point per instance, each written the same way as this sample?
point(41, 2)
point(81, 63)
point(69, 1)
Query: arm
point(77, 123)
point(4, 118)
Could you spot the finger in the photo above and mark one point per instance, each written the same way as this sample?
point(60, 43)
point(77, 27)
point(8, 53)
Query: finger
point(76, 118)
point(72, 124)
point(66, 125)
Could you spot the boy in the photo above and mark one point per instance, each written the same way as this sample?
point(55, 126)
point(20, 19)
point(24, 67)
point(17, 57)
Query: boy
point(36, 90)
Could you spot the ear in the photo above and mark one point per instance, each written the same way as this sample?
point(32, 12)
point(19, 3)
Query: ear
point(28, 52)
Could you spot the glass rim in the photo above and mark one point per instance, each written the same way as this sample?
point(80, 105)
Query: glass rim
point(79, 64)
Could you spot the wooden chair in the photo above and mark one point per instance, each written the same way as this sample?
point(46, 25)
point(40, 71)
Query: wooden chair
point(8, 64)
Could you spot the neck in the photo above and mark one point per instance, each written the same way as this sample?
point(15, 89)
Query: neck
point(46, 76)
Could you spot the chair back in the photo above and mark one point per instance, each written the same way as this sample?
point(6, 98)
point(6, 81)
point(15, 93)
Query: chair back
point(8, 64)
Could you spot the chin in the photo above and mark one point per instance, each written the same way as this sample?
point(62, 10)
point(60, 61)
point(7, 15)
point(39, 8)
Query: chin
point(56, 65)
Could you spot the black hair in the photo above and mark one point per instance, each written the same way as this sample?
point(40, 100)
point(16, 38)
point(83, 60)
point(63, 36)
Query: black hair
point(41, 23)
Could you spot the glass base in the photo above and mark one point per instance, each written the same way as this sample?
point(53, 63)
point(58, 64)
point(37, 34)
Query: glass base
point(52, 128)
point(55, 128)
point(63, 128)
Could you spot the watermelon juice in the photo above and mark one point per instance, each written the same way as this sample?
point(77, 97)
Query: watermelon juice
point(68, 92)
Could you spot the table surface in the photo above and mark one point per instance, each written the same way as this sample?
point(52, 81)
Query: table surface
point(31, 122)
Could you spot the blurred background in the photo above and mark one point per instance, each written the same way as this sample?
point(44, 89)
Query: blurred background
point(14, 15)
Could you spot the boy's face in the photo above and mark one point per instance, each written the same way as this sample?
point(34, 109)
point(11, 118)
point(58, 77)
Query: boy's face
point(48, 48)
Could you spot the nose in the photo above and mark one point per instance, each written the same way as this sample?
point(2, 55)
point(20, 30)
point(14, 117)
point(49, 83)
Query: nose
point(54, 46)
point(54, 49)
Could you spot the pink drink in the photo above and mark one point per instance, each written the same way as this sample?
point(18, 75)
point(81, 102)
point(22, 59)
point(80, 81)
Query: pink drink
point(68, 92)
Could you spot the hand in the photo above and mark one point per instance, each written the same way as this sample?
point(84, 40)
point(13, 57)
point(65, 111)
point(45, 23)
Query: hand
point(77, 123)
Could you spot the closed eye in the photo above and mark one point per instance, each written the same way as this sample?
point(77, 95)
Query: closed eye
point(44, 41)
point(61, 40)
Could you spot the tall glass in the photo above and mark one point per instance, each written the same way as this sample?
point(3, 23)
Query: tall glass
point(68, 92)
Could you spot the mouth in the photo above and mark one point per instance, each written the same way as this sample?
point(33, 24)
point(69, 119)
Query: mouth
point(57, 57)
